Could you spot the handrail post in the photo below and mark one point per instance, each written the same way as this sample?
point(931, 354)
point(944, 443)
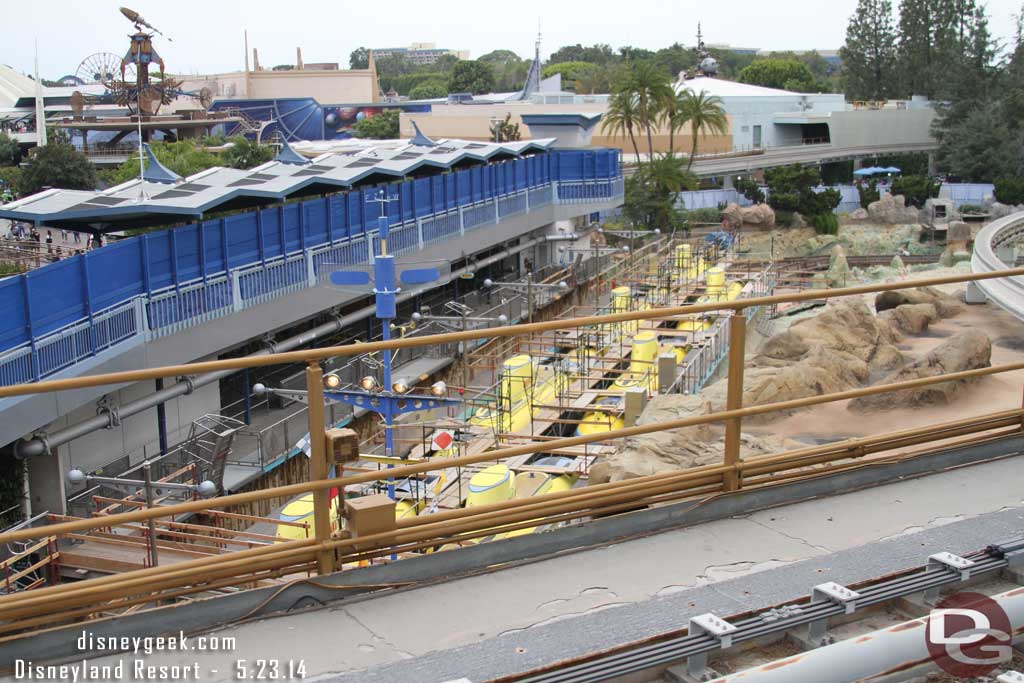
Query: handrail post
point(734, 396)
point(318, 466)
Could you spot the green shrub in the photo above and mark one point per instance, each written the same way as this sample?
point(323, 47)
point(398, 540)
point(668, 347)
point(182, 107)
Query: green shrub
point(751, 190)
point(705, 215)
point(783, 217)
point(1010, 190)
point(825, 223)
point(916, 189)
point(868, 193)
point(972, 208)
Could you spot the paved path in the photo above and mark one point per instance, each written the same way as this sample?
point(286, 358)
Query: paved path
point(521, 617)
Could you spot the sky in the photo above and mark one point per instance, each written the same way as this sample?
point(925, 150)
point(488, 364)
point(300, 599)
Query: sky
point(207, 35)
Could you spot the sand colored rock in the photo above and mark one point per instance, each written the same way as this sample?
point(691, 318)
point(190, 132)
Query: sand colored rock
point(910, 318)
point(964, 351)
point(759, 215)
point(859, 215)
point(892, 210)
point(945, 305)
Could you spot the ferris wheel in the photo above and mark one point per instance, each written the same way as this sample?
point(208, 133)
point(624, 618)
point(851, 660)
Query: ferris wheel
point(103, 67)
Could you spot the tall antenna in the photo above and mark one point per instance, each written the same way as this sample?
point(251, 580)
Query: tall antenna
point(40, 106)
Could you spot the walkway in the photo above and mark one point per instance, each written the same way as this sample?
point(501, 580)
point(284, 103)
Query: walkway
point(533, 614)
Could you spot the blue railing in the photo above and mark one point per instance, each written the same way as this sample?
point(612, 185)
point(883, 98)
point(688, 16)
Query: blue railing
point(174, 306)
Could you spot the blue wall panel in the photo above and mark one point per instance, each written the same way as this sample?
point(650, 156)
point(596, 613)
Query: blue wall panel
point(119, 271)
point(115, 274)
point(242, 238)
point(14, 331)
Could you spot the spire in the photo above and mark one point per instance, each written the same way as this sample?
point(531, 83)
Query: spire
point(40, 108)
point(287, 155)
point(420, 139)
point(157, 172)
point(532, 84)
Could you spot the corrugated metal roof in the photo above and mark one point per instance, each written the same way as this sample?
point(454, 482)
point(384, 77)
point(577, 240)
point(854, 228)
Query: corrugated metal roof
point(272, 181)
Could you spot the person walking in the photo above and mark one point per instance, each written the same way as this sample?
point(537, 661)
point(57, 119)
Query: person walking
point(49, 241)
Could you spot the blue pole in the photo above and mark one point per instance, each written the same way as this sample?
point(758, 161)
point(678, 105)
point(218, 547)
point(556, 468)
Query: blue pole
point(389, 438)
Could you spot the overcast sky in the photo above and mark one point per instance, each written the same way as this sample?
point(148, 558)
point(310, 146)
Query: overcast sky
point(207, 34)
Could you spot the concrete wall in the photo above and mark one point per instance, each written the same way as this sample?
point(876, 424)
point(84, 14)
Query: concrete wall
point(137, 435)
point(748, 112)
point(327, 87)
point(880, 127)
point(473, 122)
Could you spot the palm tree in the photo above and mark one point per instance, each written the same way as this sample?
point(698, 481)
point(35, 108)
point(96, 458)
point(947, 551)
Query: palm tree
point(705, 115)
point(653, 93)
point(621, 118)
point(676, 117)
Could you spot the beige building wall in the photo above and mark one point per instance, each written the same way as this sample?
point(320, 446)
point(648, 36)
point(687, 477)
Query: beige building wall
point(327, 87)
point(473, 122)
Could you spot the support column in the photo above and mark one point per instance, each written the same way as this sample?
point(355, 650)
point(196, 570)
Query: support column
point(933, 166)
point(161, 418)
point(734, 395)
point(318, 465)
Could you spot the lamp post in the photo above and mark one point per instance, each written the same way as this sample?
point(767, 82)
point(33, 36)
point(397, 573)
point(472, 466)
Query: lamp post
point(393, 398)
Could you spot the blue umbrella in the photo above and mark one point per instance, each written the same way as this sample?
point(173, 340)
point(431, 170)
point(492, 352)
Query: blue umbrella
point(891, 169)
point(865, 171)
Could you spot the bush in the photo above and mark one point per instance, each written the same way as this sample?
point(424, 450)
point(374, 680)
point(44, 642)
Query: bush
point(825, 223)
point(792, 189)
point(972, 208)
point(751, 190)
point(868, 193)
point(428, 91)
point(1010, 190)
point(916, 189)
point(705, 215)
point(783, 217)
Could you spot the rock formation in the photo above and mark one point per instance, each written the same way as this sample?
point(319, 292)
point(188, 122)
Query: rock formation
point(964, 351)
point(910, 318)
point(759, 215)
point(892, 210)
point(945, 305)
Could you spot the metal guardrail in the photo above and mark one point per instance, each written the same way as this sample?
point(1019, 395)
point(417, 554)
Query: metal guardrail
point(1007, 292)
point(183, 305)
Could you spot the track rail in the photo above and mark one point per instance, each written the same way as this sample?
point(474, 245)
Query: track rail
point(681, 644)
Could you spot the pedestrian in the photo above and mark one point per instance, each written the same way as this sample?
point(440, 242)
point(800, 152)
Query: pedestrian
point(49, 241)
point(78, 237)
point(64, 234)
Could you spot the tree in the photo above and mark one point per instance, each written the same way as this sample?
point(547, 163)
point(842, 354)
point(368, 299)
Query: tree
point(472, 76)
point(382, 126)
point(359, 58)
point(783, 74)
point(58, 164)
point(245, 153)
point(570, 71)
point(621, 118)
point(750, 189)
point(916, 189)
point(496, 57)
point(597, 78)
point(705, 114)
point(869, 55)
point(505, 131)
point(1010, 190)
point(652, 192)
point(10, 152)
point(791, 188)
point(185, 157)
point(428, 91)
point(983, 146)
point(653, 95)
